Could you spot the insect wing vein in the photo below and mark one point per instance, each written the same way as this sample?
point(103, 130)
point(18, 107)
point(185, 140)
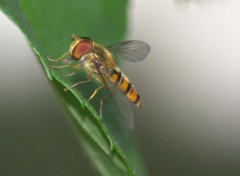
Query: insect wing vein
point(133, 50)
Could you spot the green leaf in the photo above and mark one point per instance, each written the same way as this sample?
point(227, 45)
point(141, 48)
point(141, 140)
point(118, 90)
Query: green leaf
point(47, 26)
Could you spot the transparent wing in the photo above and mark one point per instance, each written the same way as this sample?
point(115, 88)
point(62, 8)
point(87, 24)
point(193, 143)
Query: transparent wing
point(133, 50)
point(123, 106)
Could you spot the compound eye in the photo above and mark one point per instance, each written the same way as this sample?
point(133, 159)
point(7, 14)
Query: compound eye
point(83, 47)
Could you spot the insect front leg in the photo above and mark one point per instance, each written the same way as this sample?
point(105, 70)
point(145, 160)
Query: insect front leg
point(68, 63)
point(59, 58)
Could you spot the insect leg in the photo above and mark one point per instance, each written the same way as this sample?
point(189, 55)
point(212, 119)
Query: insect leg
point(74, 85)
point(95, 92)
point(59, 58)
point(66, 65)
point(73, 73)
point(101, 104)
point(81, 82)
point(58, 66)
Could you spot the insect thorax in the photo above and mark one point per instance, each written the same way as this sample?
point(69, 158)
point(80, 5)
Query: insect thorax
point(103, 55)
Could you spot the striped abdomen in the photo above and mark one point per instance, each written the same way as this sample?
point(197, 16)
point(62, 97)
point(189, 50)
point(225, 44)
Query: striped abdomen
point(124, 85)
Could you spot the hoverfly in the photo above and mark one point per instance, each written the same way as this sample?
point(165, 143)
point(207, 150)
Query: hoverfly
point(100, 65)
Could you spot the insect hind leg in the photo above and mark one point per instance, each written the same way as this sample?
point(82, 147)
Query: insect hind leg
point(101, 100)
point(101, 104)
point(95, 92)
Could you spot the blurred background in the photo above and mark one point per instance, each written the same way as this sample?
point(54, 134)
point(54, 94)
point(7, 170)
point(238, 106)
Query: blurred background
point(190, 122)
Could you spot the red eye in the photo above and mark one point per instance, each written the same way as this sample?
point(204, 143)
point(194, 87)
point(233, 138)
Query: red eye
point(81, 48)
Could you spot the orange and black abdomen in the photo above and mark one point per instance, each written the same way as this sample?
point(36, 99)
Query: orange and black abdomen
point(124, 85)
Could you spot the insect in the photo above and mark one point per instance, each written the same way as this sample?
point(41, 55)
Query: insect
point(100, 65)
